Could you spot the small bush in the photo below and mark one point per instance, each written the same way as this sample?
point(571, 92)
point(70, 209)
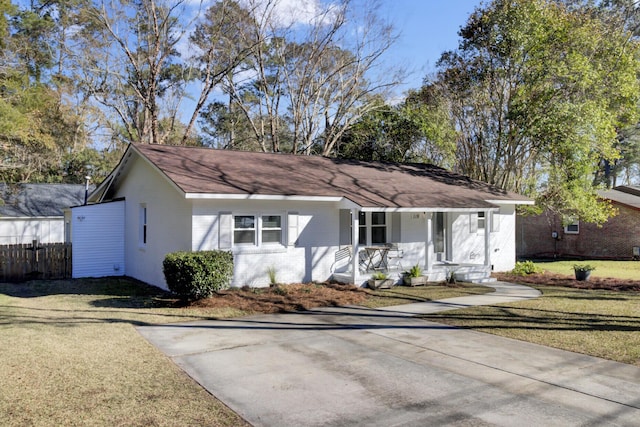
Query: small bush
point(525, 268)
point(198, 275)
point(583, 267)
point(379, 275)
point(414, 271)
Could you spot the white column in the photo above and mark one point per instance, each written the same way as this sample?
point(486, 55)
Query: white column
point(355, 264)
point(428, 250)
point(487, 238)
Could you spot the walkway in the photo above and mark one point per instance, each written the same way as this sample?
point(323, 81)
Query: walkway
point(352, 366)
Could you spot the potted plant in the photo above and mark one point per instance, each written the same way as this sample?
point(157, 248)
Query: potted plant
point(583, 271)
point(414, 277)
point(380, 280)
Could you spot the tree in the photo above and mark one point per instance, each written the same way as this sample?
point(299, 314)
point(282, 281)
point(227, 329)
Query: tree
point(537, 90)
point(414, 131)
point(37, 125)
point(307, 78)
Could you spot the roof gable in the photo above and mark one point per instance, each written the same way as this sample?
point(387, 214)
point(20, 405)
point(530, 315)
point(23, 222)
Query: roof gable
point(39, 200)
point(205, 171)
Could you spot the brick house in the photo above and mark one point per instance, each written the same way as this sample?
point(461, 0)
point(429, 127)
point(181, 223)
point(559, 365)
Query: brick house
point(544, 236)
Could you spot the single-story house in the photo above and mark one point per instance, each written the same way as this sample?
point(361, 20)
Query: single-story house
point(545, 235)
point(310, 218)
point(31, 212)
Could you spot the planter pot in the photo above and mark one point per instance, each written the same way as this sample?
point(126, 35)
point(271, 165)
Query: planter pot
point(415, 281)
point(582, 275)
point(380, 284)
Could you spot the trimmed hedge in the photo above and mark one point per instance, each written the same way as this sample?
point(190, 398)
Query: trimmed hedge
point(198, 275)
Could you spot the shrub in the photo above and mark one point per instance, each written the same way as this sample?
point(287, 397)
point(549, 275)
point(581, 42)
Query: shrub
point(379, 275)
point(414, 271)
point(198, 275)
point(273, 279)
point(583, 267)
point(526, 267)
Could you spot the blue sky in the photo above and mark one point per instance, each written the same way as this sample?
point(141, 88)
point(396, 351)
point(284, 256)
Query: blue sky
point(427, 28)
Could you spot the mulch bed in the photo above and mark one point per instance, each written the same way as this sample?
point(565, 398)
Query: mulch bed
point(285, 298)
point(552, 279)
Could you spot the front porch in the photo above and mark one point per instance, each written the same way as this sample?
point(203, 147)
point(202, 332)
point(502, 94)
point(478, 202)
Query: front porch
point(389, 261)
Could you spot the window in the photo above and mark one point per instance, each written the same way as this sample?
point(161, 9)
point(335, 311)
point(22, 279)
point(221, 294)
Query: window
point(362, 230)
point(257, 229)
point(573, 228)
point(372, 228)
point(481, 221)
point(142, 238)
point(378, 228)
point(244, 229)
point(271, 229)
point(438, 232)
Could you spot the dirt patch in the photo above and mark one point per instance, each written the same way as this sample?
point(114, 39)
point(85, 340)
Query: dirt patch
point(277, 299)
point(552, 279)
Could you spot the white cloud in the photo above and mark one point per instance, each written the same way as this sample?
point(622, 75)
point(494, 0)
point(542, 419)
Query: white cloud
point(288, 13)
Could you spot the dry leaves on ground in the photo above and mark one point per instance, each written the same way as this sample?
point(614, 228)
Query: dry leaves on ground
point(283, 298)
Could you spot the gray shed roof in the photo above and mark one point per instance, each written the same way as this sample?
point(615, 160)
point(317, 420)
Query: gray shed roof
point(368, 184)
point(39, 200)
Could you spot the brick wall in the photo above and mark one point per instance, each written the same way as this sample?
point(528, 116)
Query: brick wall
point(614, 240)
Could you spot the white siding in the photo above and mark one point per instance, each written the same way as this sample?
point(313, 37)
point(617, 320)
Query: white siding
point(98, 240)
point(26, 230)
point(168, 222)
point(310, 258)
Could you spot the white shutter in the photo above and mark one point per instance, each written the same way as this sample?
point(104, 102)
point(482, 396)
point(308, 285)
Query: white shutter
point(226, 230)
point(473, 222)
point(495, 222)
point(292, 228)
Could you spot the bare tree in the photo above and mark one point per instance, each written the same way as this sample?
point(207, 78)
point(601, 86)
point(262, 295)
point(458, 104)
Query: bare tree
point(310, 76)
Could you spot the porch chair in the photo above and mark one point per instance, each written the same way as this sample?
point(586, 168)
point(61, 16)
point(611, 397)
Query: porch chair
point(394, 257)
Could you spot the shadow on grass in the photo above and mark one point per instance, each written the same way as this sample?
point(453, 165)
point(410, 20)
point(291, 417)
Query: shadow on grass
point(116, 286)
point(518, 318)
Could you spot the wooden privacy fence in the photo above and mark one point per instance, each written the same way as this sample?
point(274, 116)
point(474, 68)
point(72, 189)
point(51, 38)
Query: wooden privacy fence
point(35, 261)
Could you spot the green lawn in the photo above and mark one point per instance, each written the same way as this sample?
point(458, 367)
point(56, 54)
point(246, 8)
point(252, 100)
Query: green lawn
point(616, 269)
point(595, 322)
point(71, 356)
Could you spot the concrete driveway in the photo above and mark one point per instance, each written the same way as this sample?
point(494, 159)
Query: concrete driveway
point(359, 367)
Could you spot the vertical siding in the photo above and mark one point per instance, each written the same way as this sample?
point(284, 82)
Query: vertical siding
point(98, 240)
point(24, 230)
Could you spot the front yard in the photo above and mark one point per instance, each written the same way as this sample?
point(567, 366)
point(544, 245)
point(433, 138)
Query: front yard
point(71, 354)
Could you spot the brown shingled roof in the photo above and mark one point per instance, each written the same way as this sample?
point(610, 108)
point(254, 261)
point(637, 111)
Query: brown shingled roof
point(226, 172)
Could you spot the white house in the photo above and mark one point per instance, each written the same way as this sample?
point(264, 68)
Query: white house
point(31, 212)
point(308, 217)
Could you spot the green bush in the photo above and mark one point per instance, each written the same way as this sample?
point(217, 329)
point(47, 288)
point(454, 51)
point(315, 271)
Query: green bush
point(526, 267)
point(379, 275)
point(198, 275)
point(414, 271)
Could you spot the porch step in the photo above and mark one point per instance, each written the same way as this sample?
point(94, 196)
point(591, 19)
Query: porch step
point(472, 276)
point(485, 280)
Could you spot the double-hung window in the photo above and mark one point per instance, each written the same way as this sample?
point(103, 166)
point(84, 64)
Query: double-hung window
point(372, 228)
point(257, 230)
point(482, 221)
point(244, 229)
